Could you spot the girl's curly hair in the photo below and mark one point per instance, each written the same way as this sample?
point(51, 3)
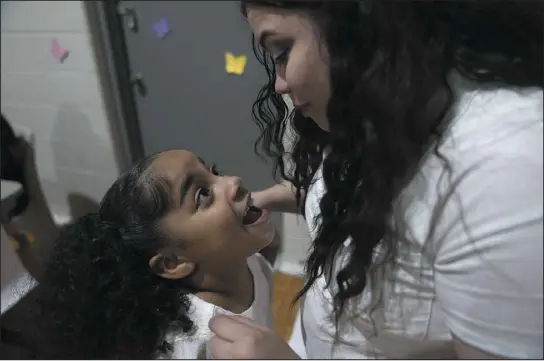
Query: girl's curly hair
point(389, 63)
point(99, 298)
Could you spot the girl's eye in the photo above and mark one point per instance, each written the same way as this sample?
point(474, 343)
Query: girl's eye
point(203, 196)
point(214, 170)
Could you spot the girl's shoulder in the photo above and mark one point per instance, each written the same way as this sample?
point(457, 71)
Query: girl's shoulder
point(193, 345)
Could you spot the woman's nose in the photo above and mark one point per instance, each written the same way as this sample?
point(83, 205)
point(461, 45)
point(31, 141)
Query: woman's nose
point(281, 86)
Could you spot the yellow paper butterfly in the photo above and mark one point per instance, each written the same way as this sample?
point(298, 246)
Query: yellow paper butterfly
point(235, 64)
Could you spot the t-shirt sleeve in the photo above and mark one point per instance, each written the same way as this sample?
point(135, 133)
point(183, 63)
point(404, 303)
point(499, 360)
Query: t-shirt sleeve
point(264, 285)
point(489, 261)
point(265, 267)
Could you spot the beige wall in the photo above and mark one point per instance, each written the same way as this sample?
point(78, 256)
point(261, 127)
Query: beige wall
point(61, 103)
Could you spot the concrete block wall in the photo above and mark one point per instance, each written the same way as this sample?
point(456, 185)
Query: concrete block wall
point(61, 103)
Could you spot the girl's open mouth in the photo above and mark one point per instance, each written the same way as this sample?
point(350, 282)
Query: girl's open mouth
point(253, 214)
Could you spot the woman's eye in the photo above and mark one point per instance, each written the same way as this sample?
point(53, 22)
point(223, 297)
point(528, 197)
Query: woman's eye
point(283, 57)
point(203, 195)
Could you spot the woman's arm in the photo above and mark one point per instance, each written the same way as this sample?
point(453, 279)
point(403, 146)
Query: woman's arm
point(278, 198)
point(488, 268)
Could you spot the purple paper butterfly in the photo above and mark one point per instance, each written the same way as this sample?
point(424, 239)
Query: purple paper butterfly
point(161, 28)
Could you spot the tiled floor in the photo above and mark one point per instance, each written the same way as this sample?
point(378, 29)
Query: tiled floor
point(285, 289)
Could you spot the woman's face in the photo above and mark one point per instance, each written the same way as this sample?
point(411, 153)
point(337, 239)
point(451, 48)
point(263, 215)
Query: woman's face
point(300, 58)
point(208, 218)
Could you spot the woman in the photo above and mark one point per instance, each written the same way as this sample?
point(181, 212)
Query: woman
point(418, 167)
point(173, 244)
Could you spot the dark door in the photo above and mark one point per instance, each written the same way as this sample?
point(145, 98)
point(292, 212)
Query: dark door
point(184, 96)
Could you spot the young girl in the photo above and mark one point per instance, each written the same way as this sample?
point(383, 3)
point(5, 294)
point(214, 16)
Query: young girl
point(173, 244)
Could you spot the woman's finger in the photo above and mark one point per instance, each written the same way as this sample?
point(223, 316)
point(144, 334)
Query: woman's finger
point(229, 328)
point(248, 322)
point(220, 349)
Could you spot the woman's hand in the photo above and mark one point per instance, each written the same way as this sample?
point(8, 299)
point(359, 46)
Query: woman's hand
point(237, 337)
point(278, 198)
point(261, 199)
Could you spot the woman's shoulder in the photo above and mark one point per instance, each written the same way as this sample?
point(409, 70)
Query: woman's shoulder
point(499, 120)
point(491, 160)
point(488, 159)
point(495, 131)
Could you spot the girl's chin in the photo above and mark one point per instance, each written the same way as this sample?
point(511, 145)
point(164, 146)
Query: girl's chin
point(264, 235)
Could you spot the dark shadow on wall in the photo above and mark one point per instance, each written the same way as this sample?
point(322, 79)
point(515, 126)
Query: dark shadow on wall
point(80, 205)
point(75, 143)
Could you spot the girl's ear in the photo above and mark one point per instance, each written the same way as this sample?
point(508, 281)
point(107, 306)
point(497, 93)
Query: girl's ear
point(171, 267)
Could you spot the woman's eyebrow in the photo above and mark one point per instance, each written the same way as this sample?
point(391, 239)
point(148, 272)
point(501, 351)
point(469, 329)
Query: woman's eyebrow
point(264, 36)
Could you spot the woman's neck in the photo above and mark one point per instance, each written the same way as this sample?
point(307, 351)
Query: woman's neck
point(232, 290)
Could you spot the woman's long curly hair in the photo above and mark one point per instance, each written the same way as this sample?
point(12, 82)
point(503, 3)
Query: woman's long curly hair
point(389, 63)
point(99, 298)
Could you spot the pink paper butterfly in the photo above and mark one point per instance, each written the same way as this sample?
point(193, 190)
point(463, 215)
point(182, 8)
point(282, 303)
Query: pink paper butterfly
point(58, 51)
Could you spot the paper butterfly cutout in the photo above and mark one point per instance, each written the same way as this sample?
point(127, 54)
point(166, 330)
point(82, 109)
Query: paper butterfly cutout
point(161, 28)
point(235, 64)
point(58, 51)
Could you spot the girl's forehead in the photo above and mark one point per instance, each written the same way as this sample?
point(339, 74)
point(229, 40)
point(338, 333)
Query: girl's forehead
point(174, 164)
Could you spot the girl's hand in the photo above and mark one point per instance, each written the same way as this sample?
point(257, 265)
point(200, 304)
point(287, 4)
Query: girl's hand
point(237, 337)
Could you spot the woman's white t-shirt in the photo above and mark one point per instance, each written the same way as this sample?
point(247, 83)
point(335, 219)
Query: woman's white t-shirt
point(194, 346)
point(477, 274)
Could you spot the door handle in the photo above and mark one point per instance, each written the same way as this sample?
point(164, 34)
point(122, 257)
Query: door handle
point(129, 13)
point(137, 82)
